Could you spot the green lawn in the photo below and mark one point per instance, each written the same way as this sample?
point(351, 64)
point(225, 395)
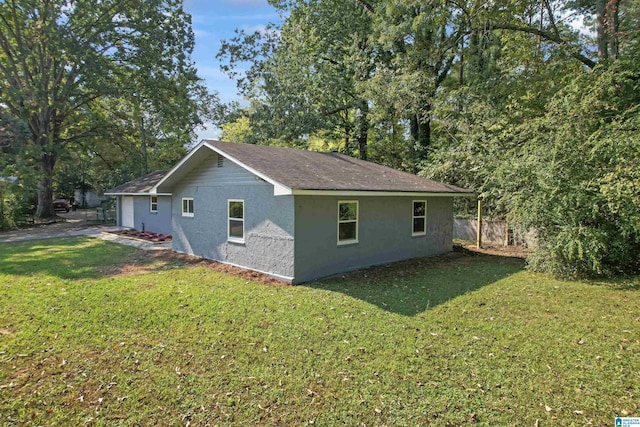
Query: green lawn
point(459, 340)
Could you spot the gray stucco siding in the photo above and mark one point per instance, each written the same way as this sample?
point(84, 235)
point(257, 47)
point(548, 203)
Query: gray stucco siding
point(143, 218)
point(268, 220)
point(384, 233)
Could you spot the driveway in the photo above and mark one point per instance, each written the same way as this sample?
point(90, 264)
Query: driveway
point(82, 222)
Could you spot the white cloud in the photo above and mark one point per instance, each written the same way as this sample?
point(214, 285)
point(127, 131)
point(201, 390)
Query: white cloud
point(218, 81)
point(576, 21)
point(208, 131)
point(260, 28)
point(202, 33)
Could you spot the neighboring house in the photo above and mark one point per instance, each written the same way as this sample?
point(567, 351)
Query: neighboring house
point(293, 214)
point(137, 207)
point(89, 199)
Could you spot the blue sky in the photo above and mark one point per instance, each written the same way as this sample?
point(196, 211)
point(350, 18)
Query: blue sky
point(214, 21)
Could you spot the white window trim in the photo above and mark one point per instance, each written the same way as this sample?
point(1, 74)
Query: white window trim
point(229, 237)
point(187, 214)
point(357, 221)
point(151, 203)
point(413, 217)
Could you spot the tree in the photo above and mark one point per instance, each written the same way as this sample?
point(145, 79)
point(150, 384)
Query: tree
point(304, 77)
point(575, 178)
point(422, 42)
point(60, 59)
point(238, 130)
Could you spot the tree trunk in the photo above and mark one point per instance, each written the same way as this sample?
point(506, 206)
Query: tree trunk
point(423, 135)
point(143, 146)
point(420, 130)
point(362, 129)
point(414, 131)
point(461, 70)
point(348, 142)
point(424, 141)
point(612, 27)
point(601, 30)
point(45, 186)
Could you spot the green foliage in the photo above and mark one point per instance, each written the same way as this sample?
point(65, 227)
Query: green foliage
point(575, 179)
point(14, 204)
point(304, 74)
point(86, 75)
point(238, 130)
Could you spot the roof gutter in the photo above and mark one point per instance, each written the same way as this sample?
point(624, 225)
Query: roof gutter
point(350, 193)
point(137, 194)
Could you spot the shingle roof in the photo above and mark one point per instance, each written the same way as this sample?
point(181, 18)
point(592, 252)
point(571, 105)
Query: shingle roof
point(140, 185)
point(311, 170)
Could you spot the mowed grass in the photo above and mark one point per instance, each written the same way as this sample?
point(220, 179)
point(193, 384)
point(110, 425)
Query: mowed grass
point(457, 341)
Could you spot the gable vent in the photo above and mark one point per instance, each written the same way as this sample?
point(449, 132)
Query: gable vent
point(220, 161)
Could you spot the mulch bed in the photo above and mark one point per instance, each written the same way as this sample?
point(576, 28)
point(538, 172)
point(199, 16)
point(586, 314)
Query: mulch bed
point(146, 262)
point(145, 236)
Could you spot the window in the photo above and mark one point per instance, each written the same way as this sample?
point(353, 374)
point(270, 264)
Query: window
point(419, 218)
point(347, 222)
point(236, 220)
point(153, 203)
point(187, 206)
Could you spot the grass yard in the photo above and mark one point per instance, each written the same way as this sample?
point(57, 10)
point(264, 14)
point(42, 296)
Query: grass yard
point(86, 339)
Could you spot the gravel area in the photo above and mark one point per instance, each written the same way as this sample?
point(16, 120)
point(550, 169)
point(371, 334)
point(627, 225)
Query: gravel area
point(82, 222)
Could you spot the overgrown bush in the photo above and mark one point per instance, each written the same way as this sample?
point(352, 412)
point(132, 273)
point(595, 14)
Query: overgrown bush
point(576, 178)
point(13, 207)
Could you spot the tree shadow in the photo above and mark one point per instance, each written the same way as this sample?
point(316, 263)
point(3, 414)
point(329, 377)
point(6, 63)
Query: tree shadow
point(414, 286)
point(619, 283)
point(69, 258)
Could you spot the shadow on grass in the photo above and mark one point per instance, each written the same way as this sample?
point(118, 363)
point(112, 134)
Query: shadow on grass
point(623, 283)
point(414, 286)
point(66, 258)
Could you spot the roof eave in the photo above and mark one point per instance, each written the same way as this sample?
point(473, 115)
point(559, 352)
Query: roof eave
point(379, 193)
point(131, 193)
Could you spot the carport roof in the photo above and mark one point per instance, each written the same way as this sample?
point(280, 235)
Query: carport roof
point(138, 187)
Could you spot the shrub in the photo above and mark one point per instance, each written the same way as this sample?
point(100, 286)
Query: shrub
point(576, 180)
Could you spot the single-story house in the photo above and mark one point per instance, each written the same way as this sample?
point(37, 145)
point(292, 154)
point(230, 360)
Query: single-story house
point(296, 215)
point(89, 199)
point(137, 207)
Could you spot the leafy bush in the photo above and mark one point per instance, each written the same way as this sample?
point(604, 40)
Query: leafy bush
point(13, 207)
point(576, 178)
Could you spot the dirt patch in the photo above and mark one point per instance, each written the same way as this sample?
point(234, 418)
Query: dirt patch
point(520, 252)
point(414, 266)
point(143, 262)
point(140, 262)
point(149, 261)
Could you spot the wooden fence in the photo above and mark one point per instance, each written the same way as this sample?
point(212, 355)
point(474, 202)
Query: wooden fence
point(494, 232)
